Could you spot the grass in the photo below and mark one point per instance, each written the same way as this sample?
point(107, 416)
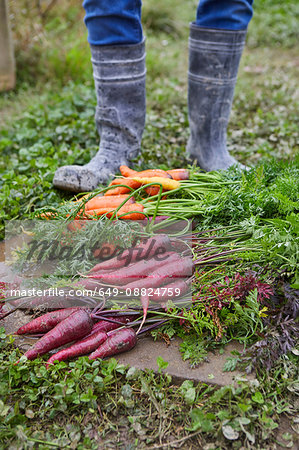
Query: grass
point(48, 121)
point(103, 404)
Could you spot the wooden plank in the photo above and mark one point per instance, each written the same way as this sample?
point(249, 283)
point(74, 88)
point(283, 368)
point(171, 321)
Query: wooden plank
point(7, 60)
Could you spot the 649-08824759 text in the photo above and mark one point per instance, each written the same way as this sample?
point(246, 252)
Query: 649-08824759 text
point(99, 291)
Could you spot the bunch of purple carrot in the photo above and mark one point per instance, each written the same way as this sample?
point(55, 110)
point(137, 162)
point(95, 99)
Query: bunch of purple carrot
point(100, 333)
point(151, 264)
point(93, 333)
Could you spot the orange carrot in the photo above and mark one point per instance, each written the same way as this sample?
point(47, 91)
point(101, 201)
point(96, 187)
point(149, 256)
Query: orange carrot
point(120, 190)
point(99, 211)
point(167, 184)
point(179, 174)
point(80, 215)
point(124, 209)
point(127, 172)
point(126, 181)
point(47, 215)
point(117, 191)
point(103, 202)
point(82, 198)
point(50, 215)
point(109, 248)
point(152, 173)
point(152, 190)
point(133, 209)
point(76, 225)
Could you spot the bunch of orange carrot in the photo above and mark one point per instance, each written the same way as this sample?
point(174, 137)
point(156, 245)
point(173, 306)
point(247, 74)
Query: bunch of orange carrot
point(119, 194)
point(131, 179)
point(117, 200)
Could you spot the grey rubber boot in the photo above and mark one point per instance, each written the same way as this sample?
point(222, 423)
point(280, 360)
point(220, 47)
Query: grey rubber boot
point(214, 57)
point(119, 75)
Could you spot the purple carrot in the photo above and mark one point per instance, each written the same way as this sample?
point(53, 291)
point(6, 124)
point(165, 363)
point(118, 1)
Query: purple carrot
point(144, 250)
point(91, 342)
point(46, 322)
point(164, 275)
point(89, 283)
point(81, 347)
point(136, 270)
point(76, 326)
point(164, 293)
point(105, 325)
point(117, 342)
point(144, 302)
point(158, 219)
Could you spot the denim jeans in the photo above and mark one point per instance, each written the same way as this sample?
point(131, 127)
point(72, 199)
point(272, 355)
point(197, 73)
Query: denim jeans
point(111, 22)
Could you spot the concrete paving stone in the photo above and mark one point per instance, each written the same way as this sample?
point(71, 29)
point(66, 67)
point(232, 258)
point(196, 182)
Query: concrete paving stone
point(145, 354)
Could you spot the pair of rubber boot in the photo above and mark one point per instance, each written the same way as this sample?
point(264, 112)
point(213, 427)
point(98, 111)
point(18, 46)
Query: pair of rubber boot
point(119, 75)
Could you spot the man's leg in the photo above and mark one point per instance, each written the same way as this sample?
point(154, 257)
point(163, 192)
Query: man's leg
point(118, 59)
point(215, 47)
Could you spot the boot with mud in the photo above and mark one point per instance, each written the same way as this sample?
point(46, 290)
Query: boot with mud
point(214, 57)
point(119, 75)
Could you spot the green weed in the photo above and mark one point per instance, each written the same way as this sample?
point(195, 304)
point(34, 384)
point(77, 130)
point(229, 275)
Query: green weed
point(85, 405)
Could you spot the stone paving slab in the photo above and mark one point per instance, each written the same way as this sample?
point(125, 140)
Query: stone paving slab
point(145, 354)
